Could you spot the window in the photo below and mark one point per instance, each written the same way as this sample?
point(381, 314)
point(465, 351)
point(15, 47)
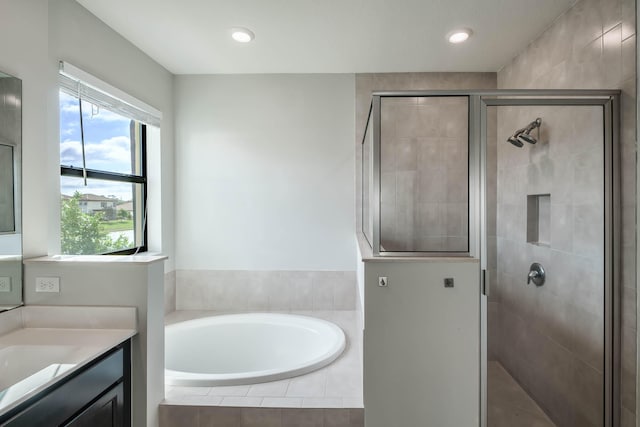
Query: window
point(103, 176)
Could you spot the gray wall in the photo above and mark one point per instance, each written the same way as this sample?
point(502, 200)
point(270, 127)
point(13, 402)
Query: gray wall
point(408, 194)
point(424, 174)
point(593, 46)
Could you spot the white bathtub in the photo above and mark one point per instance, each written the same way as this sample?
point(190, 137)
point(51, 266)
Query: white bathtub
point(248, 348)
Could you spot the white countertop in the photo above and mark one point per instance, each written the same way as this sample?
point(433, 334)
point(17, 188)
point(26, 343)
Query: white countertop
point(40, 345)
point(31, 359)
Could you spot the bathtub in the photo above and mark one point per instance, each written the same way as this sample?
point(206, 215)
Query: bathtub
point(248, 348)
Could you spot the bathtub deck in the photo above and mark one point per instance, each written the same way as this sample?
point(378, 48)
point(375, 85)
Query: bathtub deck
point(336, 386)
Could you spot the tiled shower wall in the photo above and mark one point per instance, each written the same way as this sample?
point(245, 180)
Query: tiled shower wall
point(592, 46)
point(239, 290)
point(366, 84)
point(551, 337)
point(424, 177)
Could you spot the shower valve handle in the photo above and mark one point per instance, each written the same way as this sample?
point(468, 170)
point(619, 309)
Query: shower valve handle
point(536, 274)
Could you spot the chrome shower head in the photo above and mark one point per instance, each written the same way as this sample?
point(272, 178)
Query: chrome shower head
point(524, 134)
point(515, 141)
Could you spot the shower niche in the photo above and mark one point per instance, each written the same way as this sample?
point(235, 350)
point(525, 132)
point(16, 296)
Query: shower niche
point(455, 174)
point(539, 219)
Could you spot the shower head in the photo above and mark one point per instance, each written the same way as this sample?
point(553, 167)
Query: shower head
point(515, 141)
point(524, 134)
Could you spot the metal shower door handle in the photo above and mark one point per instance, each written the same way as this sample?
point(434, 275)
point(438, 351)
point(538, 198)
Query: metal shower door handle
point(536, 274)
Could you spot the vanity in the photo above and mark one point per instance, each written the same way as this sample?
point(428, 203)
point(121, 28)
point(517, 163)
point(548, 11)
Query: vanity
point(89, 352)
point(61, 367)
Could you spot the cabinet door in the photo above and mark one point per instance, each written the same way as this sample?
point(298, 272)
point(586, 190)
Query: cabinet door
point(64, 400)
point(108, 411)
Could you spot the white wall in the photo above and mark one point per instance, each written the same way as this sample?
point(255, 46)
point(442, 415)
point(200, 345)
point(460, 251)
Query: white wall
point(422, 345)
point(113, 283)
point(24, 54)
point(35, 36)
point(76, 36)
point(265, 172)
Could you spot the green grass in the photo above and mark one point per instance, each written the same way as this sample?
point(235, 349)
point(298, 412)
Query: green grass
point(117, 225)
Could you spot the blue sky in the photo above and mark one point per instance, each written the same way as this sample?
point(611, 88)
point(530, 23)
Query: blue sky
point(107, 146)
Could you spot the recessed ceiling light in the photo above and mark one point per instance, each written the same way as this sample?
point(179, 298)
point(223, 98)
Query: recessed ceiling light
point(459, 35)
point(242, 35)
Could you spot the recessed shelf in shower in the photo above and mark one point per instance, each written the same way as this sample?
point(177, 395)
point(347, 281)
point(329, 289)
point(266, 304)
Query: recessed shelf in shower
point(539, 219)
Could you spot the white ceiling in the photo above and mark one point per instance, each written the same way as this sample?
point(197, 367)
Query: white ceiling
point(328, 36)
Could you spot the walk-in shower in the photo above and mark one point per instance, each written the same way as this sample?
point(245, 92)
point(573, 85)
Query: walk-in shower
point(439, 179)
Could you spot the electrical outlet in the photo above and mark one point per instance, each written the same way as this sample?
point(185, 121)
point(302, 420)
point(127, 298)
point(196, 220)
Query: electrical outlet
point(47, 284)
point(5, 284)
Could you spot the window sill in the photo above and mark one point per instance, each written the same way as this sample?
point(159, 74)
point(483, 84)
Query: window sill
point(139, 259)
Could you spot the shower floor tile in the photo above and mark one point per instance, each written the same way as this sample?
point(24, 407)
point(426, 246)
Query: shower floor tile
point(338, 385)
point(508, 404)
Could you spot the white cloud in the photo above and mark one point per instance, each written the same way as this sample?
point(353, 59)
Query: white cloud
point(70, 153)
point(69, 108)
point(112, 154)
point(70, 130)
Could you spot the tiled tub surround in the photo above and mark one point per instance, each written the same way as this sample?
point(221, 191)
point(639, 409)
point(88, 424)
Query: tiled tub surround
point(265, 290)
point(169, 292)
point(591, 46)
point(331, 396)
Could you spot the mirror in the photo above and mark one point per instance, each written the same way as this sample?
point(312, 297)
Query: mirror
point(10, 192)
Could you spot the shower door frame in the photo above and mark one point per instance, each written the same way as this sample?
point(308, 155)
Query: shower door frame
point(472, 172)
point(610, 102)
point(479, 100)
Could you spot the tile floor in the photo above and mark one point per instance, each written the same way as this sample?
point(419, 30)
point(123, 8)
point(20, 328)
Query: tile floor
point(508, 404)
point(338, 385)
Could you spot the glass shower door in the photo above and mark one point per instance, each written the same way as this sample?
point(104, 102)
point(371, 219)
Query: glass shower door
point(546, 245)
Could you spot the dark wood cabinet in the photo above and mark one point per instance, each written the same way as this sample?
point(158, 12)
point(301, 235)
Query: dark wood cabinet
point(107, 411)
point(97, 395)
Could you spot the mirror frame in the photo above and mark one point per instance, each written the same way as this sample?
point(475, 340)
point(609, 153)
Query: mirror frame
point(11, 270)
